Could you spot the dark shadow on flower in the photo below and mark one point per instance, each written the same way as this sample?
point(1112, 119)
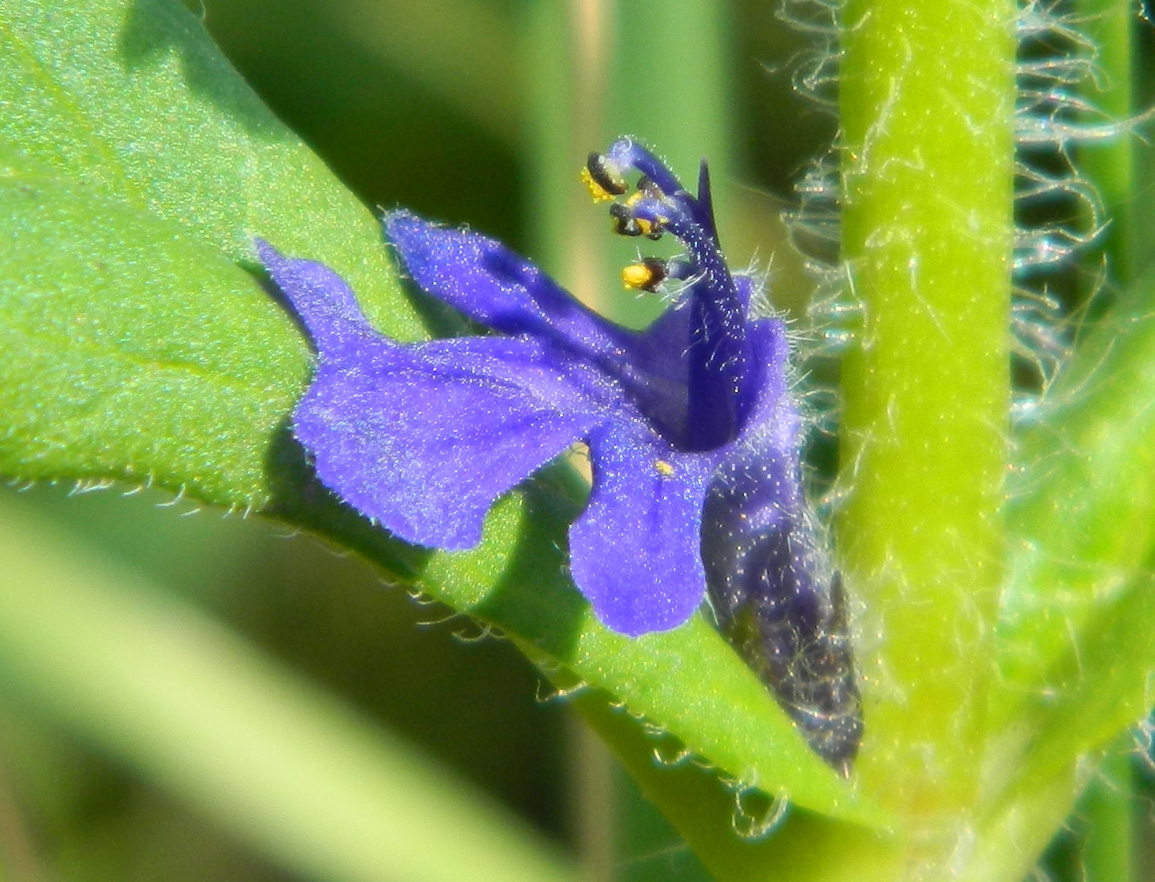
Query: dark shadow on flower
point(300, 500)
point(261, 277)
point(154, 28)
point(534, 596)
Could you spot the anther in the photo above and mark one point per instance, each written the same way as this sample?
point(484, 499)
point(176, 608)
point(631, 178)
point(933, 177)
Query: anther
point(646, 187)
point(645, 275)
point(646, 227)
point(602, 178)
point(625, 224)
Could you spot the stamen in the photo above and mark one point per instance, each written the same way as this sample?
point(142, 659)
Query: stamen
point(625, 224)
point(649, 227)
point(645, 275)
point(602, 178)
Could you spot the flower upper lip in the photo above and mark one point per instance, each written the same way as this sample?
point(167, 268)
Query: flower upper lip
point(718, 356)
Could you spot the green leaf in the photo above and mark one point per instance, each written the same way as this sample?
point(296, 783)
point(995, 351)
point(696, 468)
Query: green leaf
point(113, 369)
point(1100, 688)
point(133, 347)
point(1076, 634)
point(783, 846)
point(131, 98)
point(687, 681)
point(1082, 504)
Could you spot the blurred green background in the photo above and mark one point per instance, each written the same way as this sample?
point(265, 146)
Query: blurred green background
point(469, 112)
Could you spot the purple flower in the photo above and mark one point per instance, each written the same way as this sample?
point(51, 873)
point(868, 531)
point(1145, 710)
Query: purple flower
point(692, 433)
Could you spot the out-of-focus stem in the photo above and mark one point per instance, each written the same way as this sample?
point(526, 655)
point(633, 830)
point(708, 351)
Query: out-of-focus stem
point(564, 70)
point(1110, 164)
point(1107, 808)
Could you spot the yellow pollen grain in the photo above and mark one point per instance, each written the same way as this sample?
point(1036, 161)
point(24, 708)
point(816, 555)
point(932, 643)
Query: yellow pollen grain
point(597, 191)
point(664, 468)
point(636, 276)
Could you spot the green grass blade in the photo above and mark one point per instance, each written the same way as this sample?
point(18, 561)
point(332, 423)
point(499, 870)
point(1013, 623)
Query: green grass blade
point(1110, 164)
point(273, 759)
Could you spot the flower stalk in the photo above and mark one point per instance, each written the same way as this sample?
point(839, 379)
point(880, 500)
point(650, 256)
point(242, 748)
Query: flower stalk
point(927, 107)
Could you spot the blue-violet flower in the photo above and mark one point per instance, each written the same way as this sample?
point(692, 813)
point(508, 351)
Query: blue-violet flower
point(692, 433)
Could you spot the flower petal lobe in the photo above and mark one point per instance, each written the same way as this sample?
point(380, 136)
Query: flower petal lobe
point(635, 549)
point(492, 285)
point(320, 298)
point(424, 438)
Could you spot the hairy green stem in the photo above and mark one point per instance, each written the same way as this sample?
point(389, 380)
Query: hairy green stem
point(927, 104)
